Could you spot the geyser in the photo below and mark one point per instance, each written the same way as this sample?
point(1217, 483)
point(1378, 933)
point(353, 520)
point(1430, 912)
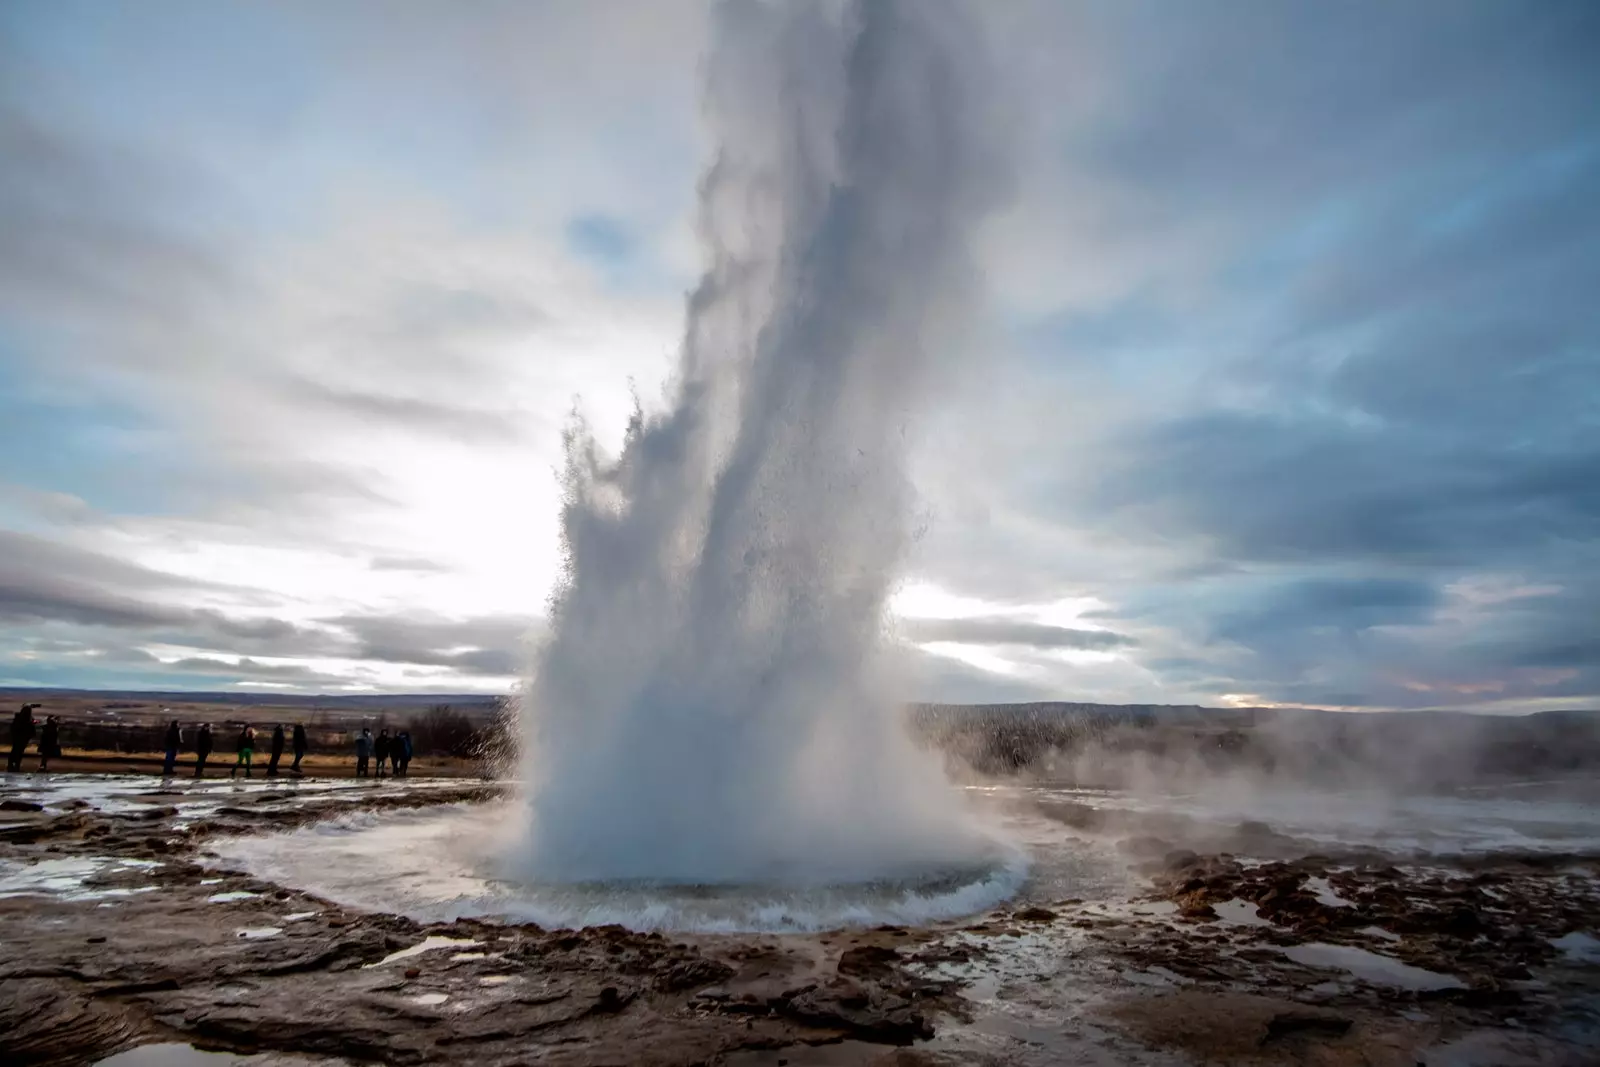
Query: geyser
point(714, 703)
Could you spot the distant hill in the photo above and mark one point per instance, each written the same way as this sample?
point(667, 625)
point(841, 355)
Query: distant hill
point(1119, 744)
point(250, 699)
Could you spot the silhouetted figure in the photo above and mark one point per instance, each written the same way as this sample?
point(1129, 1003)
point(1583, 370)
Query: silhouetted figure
point(247, 750)
point(21, 734)
point(402, 752)
point(49, 742)
point(299, 747)
point(363, 751)
point(381, 749)
point(174, 742)
point(203, 742)
point(277, 749)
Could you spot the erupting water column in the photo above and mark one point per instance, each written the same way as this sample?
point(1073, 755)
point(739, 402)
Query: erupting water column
point(713, 704)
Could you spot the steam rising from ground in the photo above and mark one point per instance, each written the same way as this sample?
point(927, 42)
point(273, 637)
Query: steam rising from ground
point(712, 704)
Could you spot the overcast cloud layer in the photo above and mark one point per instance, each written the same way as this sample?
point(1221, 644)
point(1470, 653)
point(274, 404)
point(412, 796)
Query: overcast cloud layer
point(1289, 390)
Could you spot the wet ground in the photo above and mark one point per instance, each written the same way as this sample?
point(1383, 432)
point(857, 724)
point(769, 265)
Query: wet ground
point(321, 922)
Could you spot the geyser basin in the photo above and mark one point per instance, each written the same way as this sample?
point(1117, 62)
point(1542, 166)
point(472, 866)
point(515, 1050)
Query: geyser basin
point(444, 863)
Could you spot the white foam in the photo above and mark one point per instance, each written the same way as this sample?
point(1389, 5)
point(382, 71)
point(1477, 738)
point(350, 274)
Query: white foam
point(440, 864)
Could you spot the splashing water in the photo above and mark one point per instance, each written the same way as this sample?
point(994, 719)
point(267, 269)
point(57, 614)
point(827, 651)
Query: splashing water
point(713, 704)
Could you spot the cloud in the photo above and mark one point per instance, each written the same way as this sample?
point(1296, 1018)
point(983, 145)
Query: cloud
point(61, 600)
point(411, 413)
point(1294, 352)
point(600, 238)
point(496, 645)
point(999, 630)
point(416, 564)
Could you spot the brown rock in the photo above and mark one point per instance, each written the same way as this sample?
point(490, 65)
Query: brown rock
point(867, 960)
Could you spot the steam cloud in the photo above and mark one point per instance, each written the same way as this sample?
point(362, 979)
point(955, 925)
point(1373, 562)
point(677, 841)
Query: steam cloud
point(713, 704)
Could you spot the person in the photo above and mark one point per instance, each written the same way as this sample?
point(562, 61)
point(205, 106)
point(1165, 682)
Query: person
point(277, 749)
point(363, 751)
point(49, 742)
point(402, 752)
point(21, 734)
point(203, 743)
point(174, 740)
point(247, 749)
point(381, 749)
point(299, 747)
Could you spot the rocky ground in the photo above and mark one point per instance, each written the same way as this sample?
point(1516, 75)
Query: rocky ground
point(117, 933)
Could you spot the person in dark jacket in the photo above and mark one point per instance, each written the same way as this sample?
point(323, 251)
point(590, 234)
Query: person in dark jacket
point(49, 742)
point(381, 749)
point(299, 747)
point(402, 752)
point(277, 749)
point(174, 742)
point(21, 734)
point(203, 743)
point(363, 751)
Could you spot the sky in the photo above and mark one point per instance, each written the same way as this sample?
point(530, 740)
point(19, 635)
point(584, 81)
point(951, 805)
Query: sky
point(1286, 389)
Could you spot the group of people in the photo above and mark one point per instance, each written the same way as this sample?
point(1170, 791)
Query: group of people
point(22, 730)
point(244, 748)
point(394, 750)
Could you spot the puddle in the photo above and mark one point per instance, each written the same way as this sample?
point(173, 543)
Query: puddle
point(459, 956)
point(1584, 948)
point(427, 944)
point(1379, 932)
point(430, 1000)
point(66, 879)
point(1371, 967)
point(226, 898)
point(301, 916)
point(257, 933)
point(1325, 893)
point(983, 987)
point(1238, 913)
point(497, 979)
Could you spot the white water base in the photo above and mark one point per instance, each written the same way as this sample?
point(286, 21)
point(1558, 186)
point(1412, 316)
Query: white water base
point(444, 863)
point(1371, 967)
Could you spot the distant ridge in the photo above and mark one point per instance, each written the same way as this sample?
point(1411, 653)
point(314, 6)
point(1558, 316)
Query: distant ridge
point(1039, 709)
point(273, 699)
